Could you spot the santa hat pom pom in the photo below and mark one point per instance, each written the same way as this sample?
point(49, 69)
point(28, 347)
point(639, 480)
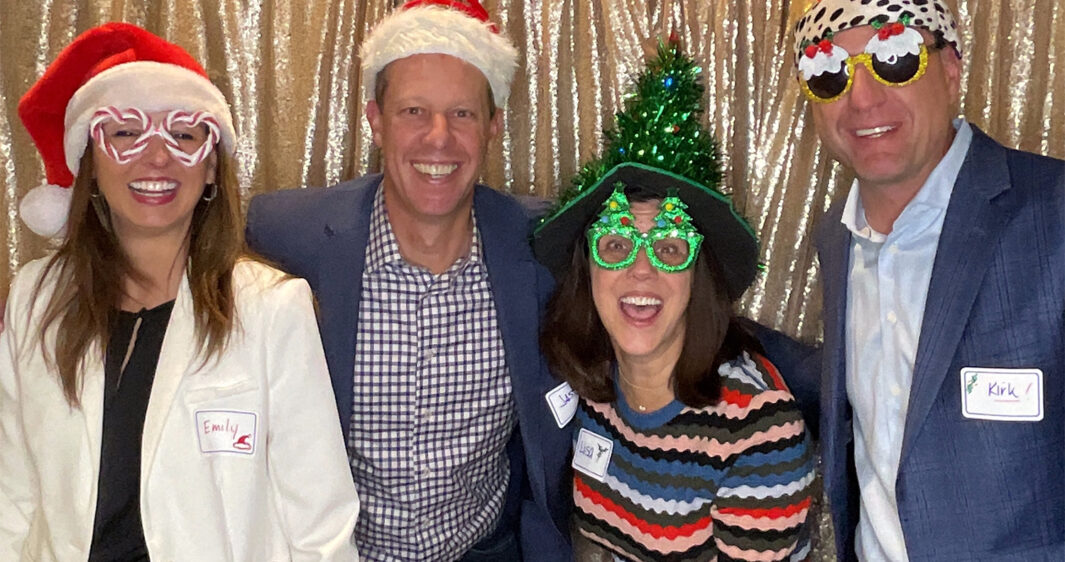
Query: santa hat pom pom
point(45, 208)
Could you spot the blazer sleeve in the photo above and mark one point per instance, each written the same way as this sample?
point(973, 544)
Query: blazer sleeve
point(800, 365)
point(278, 229)
point(18, 486)
point(310, 476)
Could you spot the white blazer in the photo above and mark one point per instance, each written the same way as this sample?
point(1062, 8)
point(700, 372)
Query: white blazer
point(242, 459)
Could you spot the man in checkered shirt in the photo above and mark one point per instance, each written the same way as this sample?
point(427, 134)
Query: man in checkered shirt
point(429, 304)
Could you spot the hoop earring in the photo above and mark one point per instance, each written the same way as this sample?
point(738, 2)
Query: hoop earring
point(214, 192)
point(99, 205)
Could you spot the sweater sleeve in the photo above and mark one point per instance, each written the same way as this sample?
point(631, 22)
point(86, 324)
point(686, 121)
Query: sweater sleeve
point(761, 506)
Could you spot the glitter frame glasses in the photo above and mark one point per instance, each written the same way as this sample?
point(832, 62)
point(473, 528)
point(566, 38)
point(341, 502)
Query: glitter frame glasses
point(870, 63)
point(617, 225)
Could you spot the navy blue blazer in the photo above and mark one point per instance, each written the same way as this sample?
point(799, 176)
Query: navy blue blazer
point(321, 235)
point(967, 489)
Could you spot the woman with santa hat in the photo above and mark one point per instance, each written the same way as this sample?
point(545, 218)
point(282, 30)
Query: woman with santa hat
point(161, 396)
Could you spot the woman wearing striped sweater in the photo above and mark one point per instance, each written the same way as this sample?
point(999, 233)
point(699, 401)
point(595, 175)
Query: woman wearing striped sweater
point(688, 445)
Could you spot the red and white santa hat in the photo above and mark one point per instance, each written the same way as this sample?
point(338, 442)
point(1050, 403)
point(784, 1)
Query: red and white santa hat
point(450, 27)
point(118, 65)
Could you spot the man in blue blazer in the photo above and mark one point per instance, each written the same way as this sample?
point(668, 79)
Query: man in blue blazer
point(430, 303)
point(941, 388)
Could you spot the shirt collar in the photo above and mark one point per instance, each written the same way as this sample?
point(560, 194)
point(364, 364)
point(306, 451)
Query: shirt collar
point(935, 192)
point(383, 248)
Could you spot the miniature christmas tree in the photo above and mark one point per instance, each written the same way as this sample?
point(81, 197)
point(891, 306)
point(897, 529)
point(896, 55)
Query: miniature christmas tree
point(672, 214)
point(660, 126)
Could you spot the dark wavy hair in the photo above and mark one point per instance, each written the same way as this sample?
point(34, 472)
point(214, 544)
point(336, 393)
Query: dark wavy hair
point(578, 349)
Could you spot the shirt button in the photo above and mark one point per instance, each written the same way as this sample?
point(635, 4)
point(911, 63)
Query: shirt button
point(895, 390)
point(427, 414)
point(893, 249)
point(891, 317)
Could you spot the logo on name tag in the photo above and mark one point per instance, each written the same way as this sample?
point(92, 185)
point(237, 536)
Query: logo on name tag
point(591, 454)
point(226, 431)
point(1002, 394)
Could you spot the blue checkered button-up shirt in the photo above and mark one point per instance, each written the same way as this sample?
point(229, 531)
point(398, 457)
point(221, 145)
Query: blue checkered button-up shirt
point(433, 407)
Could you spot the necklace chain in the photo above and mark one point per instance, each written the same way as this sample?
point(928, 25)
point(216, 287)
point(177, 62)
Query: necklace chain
point(626, 380)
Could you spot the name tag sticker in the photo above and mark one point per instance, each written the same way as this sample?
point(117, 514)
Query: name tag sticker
point(226, 431)
point(563, 402)
point(1002, 394)
point(591, 454)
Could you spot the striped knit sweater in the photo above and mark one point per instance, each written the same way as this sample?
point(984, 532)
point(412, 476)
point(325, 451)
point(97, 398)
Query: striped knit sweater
point(730, 481)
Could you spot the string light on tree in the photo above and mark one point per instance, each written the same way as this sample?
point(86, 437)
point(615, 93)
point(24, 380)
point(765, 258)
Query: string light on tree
point(660, 125)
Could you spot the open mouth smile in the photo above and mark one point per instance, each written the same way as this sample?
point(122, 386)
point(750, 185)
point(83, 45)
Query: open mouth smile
point(640, 309)
point(153, 188)
point(874, 132)
point(435, 171)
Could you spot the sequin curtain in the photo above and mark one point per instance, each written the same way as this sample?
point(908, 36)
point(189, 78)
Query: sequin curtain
point(291, 73)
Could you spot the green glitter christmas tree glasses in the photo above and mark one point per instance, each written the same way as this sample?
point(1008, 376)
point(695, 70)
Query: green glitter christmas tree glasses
point(672, 244)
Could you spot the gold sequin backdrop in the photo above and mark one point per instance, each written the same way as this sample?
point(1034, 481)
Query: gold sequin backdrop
point(291, 74)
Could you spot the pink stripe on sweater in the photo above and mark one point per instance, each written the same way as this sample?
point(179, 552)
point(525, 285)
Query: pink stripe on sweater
point(754, 555)
point(711, 447)
point(759, 523)
point(663, 545)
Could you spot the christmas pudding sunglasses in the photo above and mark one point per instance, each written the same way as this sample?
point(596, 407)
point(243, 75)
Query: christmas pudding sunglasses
point(124, 134)
point(896, 56)
point(671, 245)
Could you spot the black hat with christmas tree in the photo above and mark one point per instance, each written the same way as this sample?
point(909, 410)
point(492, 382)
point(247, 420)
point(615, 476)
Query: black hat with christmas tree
point(659, 146)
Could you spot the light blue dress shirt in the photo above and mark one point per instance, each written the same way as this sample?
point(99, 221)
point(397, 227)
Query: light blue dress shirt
point(886, 290)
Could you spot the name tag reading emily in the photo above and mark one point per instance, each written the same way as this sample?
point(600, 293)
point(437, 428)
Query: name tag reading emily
point(226, 431)
point(1002, 394)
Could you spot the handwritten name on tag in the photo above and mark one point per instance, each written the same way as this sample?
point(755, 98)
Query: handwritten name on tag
point(563, 403)
point(591, 454)
point(226, 431)
point(1002, 394)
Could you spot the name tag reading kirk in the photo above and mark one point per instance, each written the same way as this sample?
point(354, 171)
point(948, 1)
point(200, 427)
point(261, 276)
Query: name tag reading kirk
point(226, 431)
point(1002, 394)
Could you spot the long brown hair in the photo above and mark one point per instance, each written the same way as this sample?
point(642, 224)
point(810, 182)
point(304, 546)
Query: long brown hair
point(89, 267)
point(578, 349)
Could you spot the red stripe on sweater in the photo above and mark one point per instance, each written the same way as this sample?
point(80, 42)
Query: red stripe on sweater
point(735, 397)
point(770, 513)
point(656, 531)
point(773, 372)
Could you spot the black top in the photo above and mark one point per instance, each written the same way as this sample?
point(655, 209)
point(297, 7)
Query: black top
point(129, 369)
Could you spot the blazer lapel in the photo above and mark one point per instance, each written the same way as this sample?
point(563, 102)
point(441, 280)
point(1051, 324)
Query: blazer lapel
point(92, 404)
point(978, 209)
point(338, 286)
point(836, 428)
point(511, 273)
point(178, 354)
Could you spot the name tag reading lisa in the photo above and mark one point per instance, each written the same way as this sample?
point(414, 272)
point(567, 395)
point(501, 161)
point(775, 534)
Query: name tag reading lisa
point(226, 431)
point(563, 402)
point(591, 454)
point(1002, 394)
